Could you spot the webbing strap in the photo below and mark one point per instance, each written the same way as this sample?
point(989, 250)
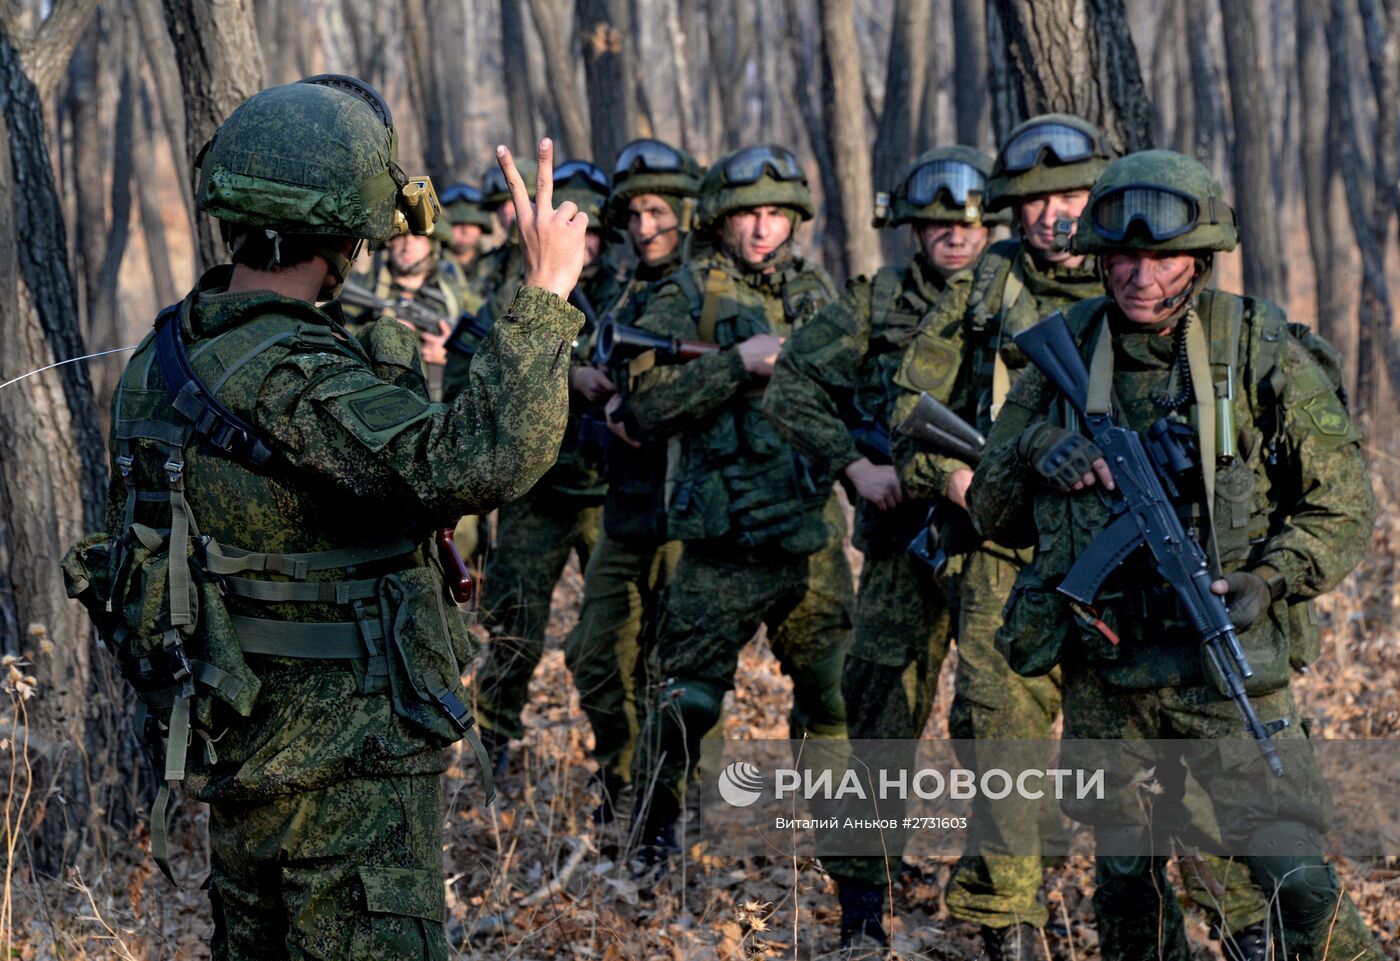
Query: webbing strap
point(716, 284)
point(242, 361)
point(172, 435)
point(1001, 375)
point(483, 761)
point(1100, 396)
point(234, 560)
point(181, 524)
point(336, 641)
point(1202, 385)
point(321, 592)
point(176, 747)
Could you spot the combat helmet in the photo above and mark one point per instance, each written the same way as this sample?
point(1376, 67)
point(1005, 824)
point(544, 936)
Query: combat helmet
point(1156, 200)
point(313, 157)
point(765, 175)
point(943, 185)
point(651, 167)
point(586, 184)
point(464, 204)
point(1050, 153)
point(494, 189)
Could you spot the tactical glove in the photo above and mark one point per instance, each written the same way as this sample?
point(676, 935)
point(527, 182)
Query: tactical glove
point(1060, 456)
point(1248, 597)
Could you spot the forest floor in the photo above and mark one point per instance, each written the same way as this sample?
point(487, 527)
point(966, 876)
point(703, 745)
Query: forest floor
point(530, 878)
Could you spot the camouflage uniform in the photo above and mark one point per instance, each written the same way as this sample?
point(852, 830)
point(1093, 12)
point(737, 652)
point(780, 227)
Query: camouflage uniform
point(328, 659)
point(633, 561)
point(832, 387)
point(762, 532)
point(535, 534)
point(464, 204)
point(1293, 509)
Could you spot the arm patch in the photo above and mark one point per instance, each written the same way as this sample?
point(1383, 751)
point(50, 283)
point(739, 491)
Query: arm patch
point(378, 414)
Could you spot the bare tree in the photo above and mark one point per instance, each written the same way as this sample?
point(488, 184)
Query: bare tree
point(731, 43)
point(48, 429)
point(970, 71)
point(1316, 156)
point(1207, 107)
point(148, 197)
point(160, 59)
point(1008, 107)
point(905, 73)
point(553, 23)
point(216, 46)
point(1077, 56)
point(605, 26)
point(513, 63)
point(849, 205)
point(1252, 160)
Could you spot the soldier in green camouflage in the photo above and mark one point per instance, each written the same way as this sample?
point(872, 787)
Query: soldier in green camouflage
point(466, 212)
point(319, 740)
point(560, 515)
point(652, 199)
point(413, 267)
point(830, 397)
point(761, 529)
point(1281, 503)
point(498, 271)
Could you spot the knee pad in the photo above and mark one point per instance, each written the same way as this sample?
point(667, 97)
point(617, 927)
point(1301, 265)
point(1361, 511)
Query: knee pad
point(817, 704)
point(1130, 860)
point(1289, 864)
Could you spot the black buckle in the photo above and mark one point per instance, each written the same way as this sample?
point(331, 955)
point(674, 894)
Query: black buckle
point(455, 710)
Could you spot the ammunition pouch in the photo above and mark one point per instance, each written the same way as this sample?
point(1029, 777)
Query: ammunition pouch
point(1036, 622)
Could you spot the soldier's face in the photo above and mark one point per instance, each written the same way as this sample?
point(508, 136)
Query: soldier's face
point(592, 246)
point(505, 214)
point(652, 225)
point(465, 237)
point(407, 251)
point(756, 232)
point(950, 247)
point(1142, 283)
point(1038, 215)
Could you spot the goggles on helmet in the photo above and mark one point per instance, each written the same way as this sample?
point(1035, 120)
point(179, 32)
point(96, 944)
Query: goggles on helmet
point(749, 165)
point(1163, 212)
point(494, 182)
point(653, 156)
point(356, 87)
point(954, 177)
point(1067, 144)
point(461, 192)
point(582, 168)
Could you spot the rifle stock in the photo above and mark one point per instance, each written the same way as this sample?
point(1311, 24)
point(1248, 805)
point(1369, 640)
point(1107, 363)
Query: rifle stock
point(424, 318)
point(940, 431)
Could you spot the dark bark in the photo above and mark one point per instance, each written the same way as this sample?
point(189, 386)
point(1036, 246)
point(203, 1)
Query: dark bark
point(1206, 105)
point(160, 59)
point(1252, 159)
point(850, 204)
point(907, 66)
point(554, 24)
point(216, 47)
point(89, 160)
point(48, 431)
point(152, 221)
point(805, 86)
point(731, 44)
point(516, 84)
point(1077, 56)
point(605, 26)
point(1008, 106)
point(970, 71)
point(1325, 221)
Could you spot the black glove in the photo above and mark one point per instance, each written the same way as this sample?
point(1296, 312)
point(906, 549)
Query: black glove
point(1060, 456)
point(1248, 597)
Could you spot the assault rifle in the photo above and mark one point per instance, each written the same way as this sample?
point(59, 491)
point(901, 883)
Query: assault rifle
point(1144, 515)
point(419, 314)
point(948, 530)
point(618, 343)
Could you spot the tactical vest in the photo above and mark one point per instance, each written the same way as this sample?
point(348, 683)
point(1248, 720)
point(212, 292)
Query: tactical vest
point(1245, 339)
point(734, 477)
point(189, 617)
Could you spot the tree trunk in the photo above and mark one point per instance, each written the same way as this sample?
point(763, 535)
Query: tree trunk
point(731, 48)
point(685, 98)
point(970, 71)
point(605, 26)
point(48, 430)
point(850, 205)
point(1203, 80)
point(1077, 56)
point(1324, 220)
point(160, 58)
point(1008, 105)
point(1252, 160)
point(152, 221)
point(553, 23)
point(216, 47)
point(804, 83)
point(513, 62)
point(906, 69)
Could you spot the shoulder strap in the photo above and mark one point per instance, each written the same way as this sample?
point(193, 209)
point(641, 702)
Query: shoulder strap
point(717, 284)
point(885, 289)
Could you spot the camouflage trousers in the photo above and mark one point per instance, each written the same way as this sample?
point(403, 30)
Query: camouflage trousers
point(891, 674)
point(609, 648)
point(1259, 814)
point(534, 538)
point(352, 871)
point(719, 598)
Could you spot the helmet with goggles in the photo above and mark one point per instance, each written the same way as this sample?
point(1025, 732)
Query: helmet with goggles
point(650, 167)
point(493, 183)
point(763, 176)
point(1156, 200)
point(318, 157)
point(944, 185)
point(464, 204)
point(586, 184)
point(1052, 153)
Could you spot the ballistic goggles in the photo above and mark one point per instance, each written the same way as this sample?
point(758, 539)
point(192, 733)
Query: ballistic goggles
point(575, 169)
point(651, 156)
point(1067, 144)
point(459, 193)
point(749, 165)
point(1163, 213)
point(954, 177)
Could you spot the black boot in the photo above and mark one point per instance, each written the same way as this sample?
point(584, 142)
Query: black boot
point(1015, 942)
point(862, 915)
point(1247, 944)
point(657, 842)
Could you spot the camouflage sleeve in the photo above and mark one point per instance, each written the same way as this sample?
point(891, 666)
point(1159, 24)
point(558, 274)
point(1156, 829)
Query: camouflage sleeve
point(670, 398)
point(816, 372)
point(932, 363)
point(1001, 496)
point(1327, 526)
point(333, 417)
